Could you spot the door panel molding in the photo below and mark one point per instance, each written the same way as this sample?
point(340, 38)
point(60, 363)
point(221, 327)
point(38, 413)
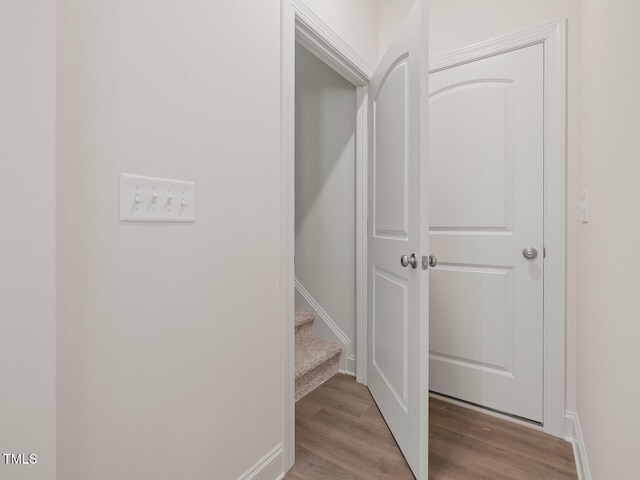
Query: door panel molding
point(394, 207)
point(553, 37)
point(398, 383)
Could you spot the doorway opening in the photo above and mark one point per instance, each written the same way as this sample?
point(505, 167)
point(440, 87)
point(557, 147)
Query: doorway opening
point(325, 220)
point(301, 29)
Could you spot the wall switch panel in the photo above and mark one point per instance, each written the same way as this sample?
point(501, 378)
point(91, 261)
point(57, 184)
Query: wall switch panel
point(148, 199)
point(584, 207)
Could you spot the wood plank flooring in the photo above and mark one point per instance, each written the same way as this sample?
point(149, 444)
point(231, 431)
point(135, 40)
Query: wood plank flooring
point(340, 435)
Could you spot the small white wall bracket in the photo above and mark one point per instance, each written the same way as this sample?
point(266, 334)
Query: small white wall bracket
point(149, 199)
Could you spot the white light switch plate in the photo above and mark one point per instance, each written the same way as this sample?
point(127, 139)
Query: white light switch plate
point(148, 199)
point(584, 207)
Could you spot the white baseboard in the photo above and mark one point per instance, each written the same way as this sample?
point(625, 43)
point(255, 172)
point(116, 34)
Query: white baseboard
point(269, 467)
point(350, 368)
point(574, 435)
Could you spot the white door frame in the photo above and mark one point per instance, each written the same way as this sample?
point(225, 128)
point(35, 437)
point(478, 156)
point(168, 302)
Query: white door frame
point(299, 23)
point(553, 37)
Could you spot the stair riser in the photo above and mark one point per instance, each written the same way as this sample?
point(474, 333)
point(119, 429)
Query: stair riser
point(316, 377)
point(303, 332)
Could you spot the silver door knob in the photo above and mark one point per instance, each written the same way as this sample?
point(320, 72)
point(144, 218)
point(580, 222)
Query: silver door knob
point(405, 261)
point(529, 253)
point(433, 261)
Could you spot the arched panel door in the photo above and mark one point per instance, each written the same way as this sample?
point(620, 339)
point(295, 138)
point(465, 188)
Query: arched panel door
point(398, 325)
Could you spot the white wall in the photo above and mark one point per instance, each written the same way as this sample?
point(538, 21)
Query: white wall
point(355, 21)
point(325, 194)
point(608, 285)
point(367, 26)
point(168, 335)
point(391, 14)
point(27, 248)
point(455, 25)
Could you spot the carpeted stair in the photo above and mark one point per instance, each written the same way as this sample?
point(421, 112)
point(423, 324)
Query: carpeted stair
point(317, 359)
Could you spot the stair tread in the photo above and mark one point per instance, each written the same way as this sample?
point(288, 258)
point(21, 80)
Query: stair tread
point(303, 317)
point(313, 352)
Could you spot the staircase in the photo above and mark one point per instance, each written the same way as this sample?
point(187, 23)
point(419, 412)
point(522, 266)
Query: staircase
point(316, 358)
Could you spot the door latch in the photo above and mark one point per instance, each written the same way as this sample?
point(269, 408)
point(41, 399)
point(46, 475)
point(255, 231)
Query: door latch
point(430, 261)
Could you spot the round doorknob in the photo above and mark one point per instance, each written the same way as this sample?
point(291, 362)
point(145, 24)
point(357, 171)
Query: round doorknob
point(529, 253)
point(405, 260)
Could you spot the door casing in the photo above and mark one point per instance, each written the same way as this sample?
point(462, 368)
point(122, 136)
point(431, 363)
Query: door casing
point(300, 24)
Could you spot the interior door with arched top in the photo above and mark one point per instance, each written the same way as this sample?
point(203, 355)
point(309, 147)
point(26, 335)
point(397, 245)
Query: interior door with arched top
point(398, 325)
point(486, 159)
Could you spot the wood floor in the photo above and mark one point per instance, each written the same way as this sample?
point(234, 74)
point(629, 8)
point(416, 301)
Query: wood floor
point(341, 435)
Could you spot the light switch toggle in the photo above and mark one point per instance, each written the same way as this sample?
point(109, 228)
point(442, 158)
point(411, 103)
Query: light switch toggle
point(151, 199)
point(584, 207)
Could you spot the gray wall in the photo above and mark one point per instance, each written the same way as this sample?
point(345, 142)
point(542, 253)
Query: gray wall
point(27, 238)
point(325, 193)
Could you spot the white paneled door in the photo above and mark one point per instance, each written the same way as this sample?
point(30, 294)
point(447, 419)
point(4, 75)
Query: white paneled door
point(398, 295)
point(486, 229)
